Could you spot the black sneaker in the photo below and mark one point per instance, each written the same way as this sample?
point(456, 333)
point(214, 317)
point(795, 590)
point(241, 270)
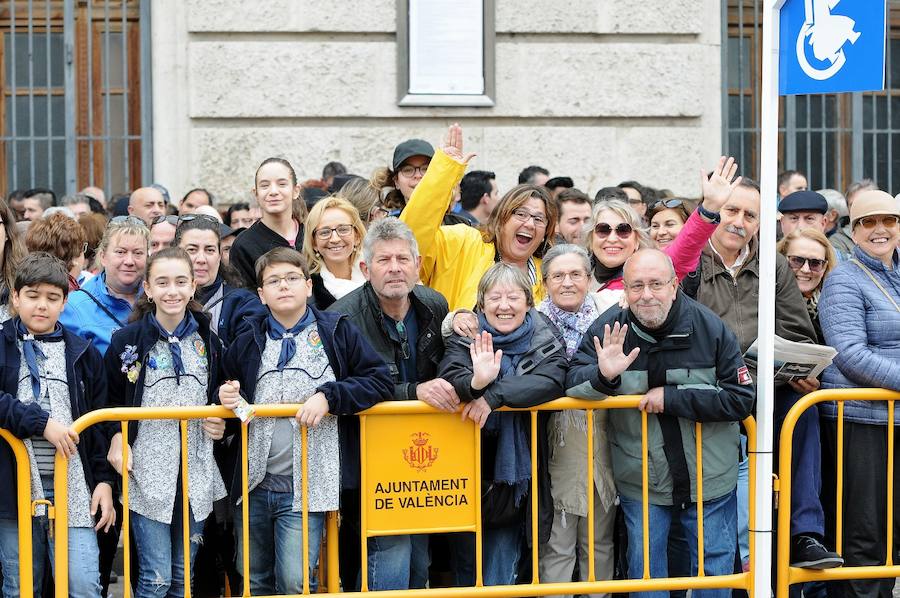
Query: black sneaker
point(807, 552)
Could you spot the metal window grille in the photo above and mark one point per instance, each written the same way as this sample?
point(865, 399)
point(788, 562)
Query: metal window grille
point(75, 94)
point(834, 139)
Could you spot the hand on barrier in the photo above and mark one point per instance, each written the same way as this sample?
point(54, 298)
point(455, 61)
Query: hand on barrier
point(453, 145)
point(114, 456)
point(485, 363)
point(465, 323)
point(438, 393)
point(478, 411)
point(611, 358)
point(214, 427)
point(313, 410)
point(230, 394)
point(805, 386)
point(717, 188)
point(653, 401)
point(63, 438)
point(103, 498)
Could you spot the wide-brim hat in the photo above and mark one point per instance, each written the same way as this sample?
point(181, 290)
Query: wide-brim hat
point(873, 203)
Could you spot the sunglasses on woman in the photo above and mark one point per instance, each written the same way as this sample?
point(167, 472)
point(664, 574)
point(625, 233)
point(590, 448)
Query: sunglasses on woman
point(870, 222)
point(623, 230)
point(815, 265)
point(667, 203)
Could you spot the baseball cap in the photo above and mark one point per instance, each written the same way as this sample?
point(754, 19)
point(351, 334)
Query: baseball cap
point(410, 148)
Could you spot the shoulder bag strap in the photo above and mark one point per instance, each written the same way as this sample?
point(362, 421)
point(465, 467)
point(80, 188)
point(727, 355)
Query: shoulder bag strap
point(875, 280)
point(104, 308)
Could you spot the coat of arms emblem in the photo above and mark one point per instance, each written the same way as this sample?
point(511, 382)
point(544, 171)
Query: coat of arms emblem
point(420, 455)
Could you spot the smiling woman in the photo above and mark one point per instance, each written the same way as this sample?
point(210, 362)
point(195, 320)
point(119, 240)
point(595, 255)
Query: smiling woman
point(518, 231)
point(331, 244)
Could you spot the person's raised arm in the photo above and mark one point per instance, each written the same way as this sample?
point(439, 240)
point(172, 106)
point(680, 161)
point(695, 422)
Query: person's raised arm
point(433, 195)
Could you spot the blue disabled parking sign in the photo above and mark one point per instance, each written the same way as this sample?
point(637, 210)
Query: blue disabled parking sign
point(831, 46)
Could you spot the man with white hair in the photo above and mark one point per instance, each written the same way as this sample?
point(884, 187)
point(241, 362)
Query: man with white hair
point(688, 366)
point(836, 217)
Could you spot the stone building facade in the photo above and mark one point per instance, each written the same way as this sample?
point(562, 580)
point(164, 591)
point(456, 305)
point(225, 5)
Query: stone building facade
point(599, 90)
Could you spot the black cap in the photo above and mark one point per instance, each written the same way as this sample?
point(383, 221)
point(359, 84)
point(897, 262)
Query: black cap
point(803, 201)
point(224, 230)
point(410, 148)
point(233, 232)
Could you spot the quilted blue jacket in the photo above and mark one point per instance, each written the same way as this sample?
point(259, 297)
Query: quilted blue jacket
point(864, 326)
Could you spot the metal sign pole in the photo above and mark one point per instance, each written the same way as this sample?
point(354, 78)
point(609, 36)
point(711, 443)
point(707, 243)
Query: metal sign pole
point(762, 526)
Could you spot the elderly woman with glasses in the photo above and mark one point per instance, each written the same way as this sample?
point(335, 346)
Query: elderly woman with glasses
point(332, 241)
point(566, 272)
point(811, 257)
point(617, 233)
point(517, 359)
point(104, 303)
point(518, 232)
point(860, 315)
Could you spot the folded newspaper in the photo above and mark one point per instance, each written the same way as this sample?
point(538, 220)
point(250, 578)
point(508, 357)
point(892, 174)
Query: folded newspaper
point(795, 361)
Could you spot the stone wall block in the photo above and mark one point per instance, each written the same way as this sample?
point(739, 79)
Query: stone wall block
point(287, 16)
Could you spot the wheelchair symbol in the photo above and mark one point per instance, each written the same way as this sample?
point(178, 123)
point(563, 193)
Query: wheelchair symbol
point(827, 35)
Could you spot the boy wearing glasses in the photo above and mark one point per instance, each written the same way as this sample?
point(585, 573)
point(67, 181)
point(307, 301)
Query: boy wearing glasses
point(402, 321)
point(293, 354)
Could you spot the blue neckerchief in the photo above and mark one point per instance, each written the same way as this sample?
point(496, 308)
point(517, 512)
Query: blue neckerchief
point(32, 351)
point(512, 462)
point(288, 346)
point(514, 344)
point(186, 327)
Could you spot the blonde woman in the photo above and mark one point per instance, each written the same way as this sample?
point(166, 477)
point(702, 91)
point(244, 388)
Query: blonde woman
point(331, 244)
point(811, 257)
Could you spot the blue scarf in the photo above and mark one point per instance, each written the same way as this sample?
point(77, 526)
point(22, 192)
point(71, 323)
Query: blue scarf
point(186, 327)
point(512, 463)
point(288, 346)
point(32, 351)
point(573, 325)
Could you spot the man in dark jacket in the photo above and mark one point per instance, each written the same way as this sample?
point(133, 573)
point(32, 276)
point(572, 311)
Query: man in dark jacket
point(728, 283)
point(689, 368)
point(402, 321)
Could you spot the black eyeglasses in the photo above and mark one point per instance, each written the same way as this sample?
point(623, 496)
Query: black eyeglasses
point(815, 265)
point(128, 220)
point(173, 220)
point(667, 203)
point(623, 230)
point(404, 339)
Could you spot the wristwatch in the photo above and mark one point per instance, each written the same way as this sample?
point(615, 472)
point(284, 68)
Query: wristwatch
point(711, 216)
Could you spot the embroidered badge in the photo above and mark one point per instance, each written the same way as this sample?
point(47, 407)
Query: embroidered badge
point(164, 362)
point(200, 348)
point(131, 367)
point(151, 363)
point(314, 340)
point(743, 375)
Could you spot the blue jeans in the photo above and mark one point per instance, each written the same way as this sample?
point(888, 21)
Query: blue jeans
point(160, 553)
point(276, 543)
point(398, 562)
point(84, 556)
point(500, 552)
point(719, 540)
point(743, 504)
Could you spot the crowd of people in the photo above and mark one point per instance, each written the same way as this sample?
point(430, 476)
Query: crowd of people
point(425, 282)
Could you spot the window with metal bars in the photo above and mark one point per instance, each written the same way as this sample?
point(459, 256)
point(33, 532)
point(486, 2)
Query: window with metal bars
point(834, 139)
point(74, 94)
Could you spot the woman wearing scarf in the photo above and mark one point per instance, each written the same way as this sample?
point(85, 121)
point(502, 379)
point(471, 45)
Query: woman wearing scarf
point(811, 257)
point(218, 292)
point(618, 232)
point(518, 359)
point(332, 241)
point(566, 272)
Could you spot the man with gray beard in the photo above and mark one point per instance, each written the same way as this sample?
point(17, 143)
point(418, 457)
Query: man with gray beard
point(687, 365)
point(727, 282)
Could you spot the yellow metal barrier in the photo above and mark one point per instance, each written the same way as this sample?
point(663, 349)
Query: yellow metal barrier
point(23, 506)
point(787, 575)
point(394, 409)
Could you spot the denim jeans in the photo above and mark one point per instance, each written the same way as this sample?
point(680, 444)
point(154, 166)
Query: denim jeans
point(719, 540)
point(84, 556)
point(500, 552)
point(276, 543)
point(398, 562)
point(160, 553)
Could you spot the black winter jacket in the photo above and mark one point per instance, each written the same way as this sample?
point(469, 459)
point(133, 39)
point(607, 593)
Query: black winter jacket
point(87, 392)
